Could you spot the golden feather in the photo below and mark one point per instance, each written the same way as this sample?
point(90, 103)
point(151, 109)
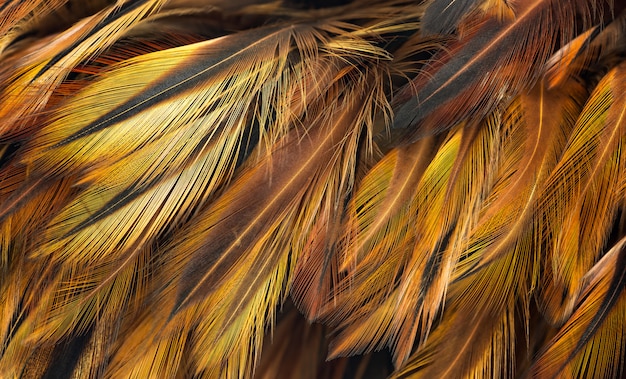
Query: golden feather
point(312, 188)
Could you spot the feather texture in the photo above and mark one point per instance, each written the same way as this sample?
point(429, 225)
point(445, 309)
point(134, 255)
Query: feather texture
point(591, 341)
point(305, 188)
point(510, 47)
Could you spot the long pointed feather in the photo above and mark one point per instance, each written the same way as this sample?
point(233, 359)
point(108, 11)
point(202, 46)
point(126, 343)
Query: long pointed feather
point(591, 343)
point(498, 57)
point(40, 72)
point(585, 188)
point(212, 261)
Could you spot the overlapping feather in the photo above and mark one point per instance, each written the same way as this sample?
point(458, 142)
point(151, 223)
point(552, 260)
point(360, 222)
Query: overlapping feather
point(501, 50)
point(171, 172)
point(590, 344)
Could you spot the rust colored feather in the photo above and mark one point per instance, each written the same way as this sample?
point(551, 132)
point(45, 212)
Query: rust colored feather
point(309, 188)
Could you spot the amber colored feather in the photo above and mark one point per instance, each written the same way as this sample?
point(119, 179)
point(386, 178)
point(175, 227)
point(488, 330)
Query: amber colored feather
point(312, 189)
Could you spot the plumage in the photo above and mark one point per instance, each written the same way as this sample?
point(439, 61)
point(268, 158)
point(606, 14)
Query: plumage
point(593, 337)
point(304, 188)
point(493, 57)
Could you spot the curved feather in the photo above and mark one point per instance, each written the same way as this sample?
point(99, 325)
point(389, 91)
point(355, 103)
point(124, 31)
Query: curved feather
point(173, 172)
point(373, 276)
point(15, 16)
point(256, 269)
point(546, 119)
point(585, 188)
point(496, 58)
point(287, 180)
point(31, 80)
point(591, 343)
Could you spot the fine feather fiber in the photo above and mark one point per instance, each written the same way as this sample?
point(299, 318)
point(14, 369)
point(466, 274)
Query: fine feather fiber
point(312, 189)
